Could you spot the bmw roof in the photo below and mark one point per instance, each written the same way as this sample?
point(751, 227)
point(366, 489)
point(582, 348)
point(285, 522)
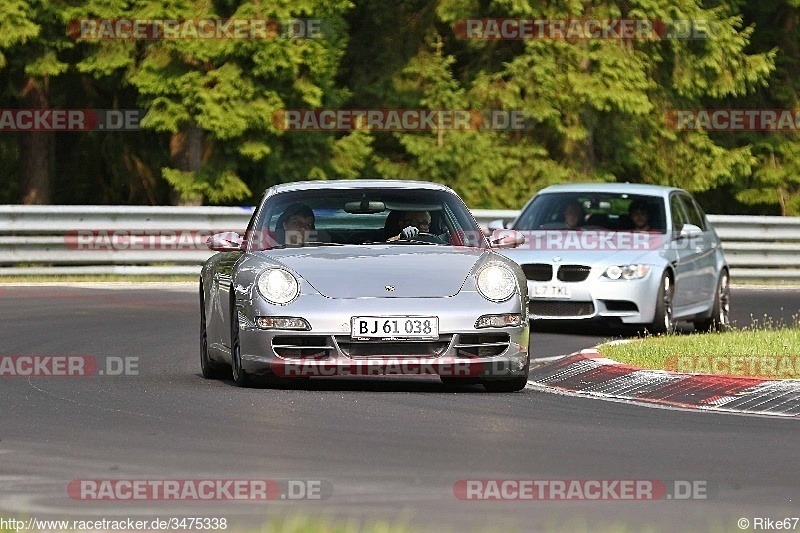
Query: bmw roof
point(629, 188)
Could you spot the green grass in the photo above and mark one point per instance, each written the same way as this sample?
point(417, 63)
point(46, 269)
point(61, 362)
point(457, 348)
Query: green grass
point(557, 521)
point(768, 282)
point(303, 524)
point(762, 350)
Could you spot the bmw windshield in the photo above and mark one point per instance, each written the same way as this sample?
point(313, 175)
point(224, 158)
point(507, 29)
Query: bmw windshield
point(593, 210)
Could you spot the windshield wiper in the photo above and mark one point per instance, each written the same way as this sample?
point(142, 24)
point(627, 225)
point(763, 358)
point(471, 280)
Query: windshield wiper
point(398, 242)
point(305, 245)
point(412, 241)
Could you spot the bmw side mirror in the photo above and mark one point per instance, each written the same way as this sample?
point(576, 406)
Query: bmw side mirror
point(691, 231)
point(497, 224)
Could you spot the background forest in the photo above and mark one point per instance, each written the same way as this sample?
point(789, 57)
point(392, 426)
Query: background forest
point(598, 106)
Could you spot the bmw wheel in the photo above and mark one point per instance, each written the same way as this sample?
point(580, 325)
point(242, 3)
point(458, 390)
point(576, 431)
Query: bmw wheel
point(720, 319)
point(663, 322)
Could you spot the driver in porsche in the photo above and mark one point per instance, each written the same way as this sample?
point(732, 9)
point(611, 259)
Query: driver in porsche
point(407, 224)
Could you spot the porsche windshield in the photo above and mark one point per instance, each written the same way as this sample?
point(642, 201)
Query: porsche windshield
point(365, 217)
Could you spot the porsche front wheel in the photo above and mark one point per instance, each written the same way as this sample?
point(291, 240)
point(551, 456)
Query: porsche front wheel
point(240, 376)
point(209, 369)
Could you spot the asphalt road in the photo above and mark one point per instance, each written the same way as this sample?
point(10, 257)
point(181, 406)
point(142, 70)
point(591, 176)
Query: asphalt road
point(387, 449)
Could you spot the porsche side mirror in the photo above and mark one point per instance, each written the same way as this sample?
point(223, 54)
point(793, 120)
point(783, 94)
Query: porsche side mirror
point(506, 238)
point(228, 241)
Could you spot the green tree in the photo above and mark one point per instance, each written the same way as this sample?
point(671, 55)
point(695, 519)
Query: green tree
point(597, 107)
point(776, 178)
point(215, 98)
point(32, 44)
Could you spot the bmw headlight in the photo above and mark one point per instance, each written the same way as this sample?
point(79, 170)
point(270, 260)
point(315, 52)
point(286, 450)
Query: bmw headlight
point(636, 271)
point(496, 282)
point(278, 286)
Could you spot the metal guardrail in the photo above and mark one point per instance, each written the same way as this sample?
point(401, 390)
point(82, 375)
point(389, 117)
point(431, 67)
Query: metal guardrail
point(36, 240)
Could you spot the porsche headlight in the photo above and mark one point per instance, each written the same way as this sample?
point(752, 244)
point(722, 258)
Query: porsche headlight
point(278, 286)
point(496, 282)
point(627, 271)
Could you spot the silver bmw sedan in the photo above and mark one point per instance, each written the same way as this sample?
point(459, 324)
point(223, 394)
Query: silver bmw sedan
point(631, 253)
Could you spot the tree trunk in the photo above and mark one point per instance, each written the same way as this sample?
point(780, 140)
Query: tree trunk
point(186, 153)
point(36, 149)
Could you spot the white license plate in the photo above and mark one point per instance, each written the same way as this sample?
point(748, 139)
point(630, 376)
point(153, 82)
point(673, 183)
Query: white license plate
point(549, 291)
point(394, 327)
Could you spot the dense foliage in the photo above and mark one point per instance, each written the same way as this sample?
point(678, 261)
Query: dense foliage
point(594, 108)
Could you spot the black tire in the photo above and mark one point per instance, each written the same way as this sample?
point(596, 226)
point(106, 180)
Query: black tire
point(452, 381)
point(209, 369)
point(663, 321)
point(506, 385)
point(720, 319)
point(240, 376)
point(509, 385)
point(277, 382)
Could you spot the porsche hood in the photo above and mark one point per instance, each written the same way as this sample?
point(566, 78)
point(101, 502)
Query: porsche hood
point(393, 271)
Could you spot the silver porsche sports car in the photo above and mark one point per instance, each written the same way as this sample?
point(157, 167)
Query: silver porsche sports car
point(364, 277)
point(633, 253)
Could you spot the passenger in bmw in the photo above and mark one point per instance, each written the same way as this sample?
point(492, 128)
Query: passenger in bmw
point(573, 214)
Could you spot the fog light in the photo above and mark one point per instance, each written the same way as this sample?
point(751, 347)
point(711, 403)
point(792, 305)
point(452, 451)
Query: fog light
point(278, 322)
point(498, 321)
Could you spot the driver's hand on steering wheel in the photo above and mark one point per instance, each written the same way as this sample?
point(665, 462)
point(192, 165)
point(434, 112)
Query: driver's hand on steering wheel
point(409, 233)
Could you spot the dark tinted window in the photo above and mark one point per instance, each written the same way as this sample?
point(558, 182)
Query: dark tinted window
point(678, 215)
point(339, 219)
point(693, 212)
point(608, 211)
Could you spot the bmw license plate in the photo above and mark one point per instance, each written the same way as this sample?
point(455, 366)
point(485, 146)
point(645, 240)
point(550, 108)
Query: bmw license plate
point(549, 291)
point(395, 327)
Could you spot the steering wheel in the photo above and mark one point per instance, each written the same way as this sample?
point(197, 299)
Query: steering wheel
point(426, 237)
